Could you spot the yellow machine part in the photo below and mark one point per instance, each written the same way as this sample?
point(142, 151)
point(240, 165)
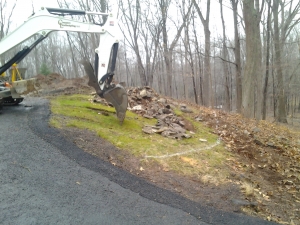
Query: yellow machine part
point(15, 72)
point(19, 86)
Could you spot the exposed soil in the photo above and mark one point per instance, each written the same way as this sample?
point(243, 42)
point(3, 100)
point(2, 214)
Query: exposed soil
point(265, 178)
point(222, 197)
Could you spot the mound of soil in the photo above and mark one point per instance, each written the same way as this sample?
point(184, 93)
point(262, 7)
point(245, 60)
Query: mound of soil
point(54, 84)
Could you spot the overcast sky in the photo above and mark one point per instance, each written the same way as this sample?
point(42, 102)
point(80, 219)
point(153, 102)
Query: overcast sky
point(24, 9)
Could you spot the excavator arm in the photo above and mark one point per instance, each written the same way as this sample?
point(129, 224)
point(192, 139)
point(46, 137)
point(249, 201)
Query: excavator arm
point(48, 20)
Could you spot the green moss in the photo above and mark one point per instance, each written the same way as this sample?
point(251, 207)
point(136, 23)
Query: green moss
point(178, 112)
point(80, 112)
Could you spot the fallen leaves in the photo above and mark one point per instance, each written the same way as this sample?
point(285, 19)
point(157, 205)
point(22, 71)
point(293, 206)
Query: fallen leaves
point(269, 155)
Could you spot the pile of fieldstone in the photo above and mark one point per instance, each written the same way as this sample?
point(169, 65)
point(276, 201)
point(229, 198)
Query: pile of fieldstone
point(147, 103)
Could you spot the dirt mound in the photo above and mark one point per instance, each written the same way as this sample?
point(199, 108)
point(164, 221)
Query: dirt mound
point(55, 83)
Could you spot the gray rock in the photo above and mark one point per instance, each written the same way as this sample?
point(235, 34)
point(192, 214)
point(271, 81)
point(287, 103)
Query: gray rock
point(147, 116)
point(162, 100)
point(255, 130)
point(185, 110)
point(148, 130)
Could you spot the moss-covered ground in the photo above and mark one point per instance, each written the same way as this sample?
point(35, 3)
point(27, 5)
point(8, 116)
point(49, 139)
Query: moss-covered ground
point(191, 156)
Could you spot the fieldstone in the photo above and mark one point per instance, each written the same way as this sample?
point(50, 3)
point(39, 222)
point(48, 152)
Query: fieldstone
point(181, 123)
point(271, 144)
point(137, 107)
point(144, 93)
point(147, 116)
point(162, 129)
point(246, 132)
point(147, 103)
point(255, 130)
point(162, 100)
point(178, 128)
point(166, 111)
point(198, 119)
point(185, 110)
point(148, 130)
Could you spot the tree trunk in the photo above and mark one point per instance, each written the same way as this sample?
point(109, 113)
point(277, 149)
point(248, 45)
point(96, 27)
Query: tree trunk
point(73, 56)
point(198, 58)
point(265, 91)
point(224, 64)
point(281, 110)
point(252, 73)
point(237, 54)
point(168, 49)
point(207, 88)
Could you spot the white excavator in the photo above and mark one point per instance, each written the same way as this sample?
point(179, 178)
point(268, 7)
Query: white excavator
point(48, 20)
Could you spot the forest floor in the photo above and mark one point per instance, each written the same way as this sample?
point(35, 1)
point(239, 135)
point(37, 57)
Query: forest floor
point(264, 178)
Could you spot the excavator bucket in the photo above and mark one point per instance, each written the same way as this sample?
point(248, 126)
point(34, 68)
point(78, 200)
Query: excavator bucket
point(118, 97)
point(23, 87)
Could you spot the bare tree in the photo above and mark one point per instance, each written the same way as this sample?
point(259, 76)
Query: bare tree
point(199, 60)
point(265, 88)
point(288, 21)
point(207, 85)
point(6, 13)
point(252, 80)
point(189, 57)
point(169, 48)
point(237, 54)
point(131, 18)
point(225, 64)
point(150, 36)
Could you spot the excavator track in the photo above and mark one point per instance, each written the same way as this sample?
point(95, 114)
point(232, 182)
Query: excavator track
point(1, 103)
point(9, 101)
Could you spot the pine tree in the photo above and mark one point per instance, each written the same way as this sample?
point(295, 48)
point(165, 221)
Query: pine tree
point(44, 69)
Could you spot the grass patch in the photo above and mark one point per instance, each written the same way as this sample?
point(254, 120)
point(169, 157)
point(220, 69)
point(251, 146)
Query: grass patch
point(80, 112)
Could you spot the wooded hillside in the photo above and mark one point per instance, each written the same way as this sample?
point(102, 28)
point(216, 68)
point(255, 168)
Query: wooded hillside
point(249, 65)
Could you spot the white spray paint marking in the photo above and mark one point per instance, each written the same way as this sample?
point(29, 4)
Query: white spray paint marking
point(183, 153)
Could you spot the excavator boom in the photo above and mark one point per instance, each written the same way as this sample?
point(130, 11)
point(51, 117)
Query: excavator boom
point(48, 20)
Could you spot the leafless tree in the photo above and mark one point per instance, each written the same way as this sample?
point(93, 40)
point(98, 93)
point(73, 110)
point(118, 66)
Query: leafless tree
point(168, 49)
point(225, 64)
point(131, 18)
point(207, 85)
point(6, 12)
point(189, 56)
point(281, 32)
point(237, 54)
point(252, 80)
point(267, 61)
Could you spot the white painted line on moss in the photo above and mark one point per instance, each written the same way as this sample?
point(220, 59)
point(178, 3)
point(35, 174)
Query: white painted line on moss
point(183, 153)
